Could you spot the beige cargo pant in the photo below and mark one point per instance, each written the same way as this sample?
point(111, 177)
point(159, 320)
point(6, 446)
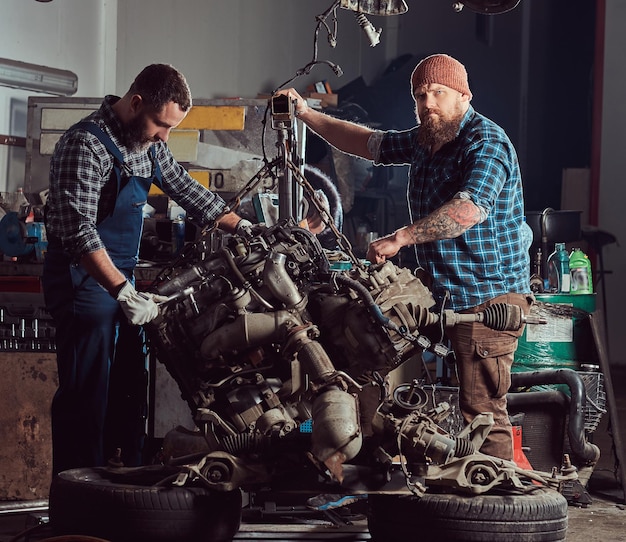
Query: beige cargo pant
point(484, 358)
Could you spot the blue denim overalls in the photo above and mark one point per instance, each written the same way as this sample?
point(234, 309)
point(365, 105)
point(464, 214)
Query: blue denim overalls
point(100, 404)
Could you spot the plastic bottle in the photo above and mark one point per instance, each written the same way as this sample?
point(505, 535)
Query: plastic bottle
point(580, 272)
point(19, 200)
point(178, 235)
point(558, 270)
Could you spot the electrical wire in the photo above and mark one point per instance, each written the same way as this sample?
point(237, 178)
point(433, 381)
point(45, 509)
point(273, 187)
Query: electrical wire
point(332, 40)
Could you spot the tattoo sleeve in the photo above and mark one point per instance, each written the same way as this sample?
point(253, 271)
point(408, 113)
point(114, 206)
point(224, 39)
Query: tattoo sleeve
point(449, 221)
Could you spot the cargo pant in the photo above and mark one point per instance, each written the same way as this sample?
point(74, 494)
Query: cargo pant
point(484, 358)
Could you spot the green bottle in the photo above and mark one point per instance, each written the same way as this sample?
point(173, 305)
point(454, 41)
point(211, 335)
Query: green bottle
point(581, 279)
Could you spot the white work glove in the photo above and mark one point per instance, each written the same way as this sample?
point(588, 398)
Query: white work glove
point(243, 227)
point(139, 307)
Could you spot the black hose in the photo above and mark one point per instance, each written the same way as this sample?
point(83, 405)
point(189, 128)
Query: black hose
point(367, 298)
point(576, 424)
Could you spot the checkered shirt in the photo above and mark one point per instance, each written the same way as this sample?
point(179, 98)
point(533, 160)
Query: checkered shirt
point(80, 169)
point(491, 258)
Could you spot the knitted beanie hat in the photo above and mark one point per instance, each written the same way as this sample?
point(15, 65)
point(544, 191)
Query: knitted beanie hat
point(443, 70)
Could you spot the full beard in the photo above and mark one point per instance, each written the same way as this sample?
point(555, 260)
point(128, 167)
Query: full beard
point(135, 137)
point(437, 131)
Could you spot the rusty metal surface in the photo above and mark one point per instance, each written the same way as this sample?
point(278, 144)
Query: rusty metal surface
point(28, 383)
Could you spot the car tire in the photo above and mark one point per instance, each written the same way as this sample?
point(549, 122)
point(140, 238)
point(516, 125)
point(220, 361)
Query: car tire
point(133, 504)
point(533, 514)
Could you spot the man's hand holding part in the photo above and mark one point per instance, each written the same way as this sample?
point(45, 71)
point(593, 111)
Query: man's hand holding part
point(243, 227)
point(300, 105)
point(385, 247)
point(139, 307)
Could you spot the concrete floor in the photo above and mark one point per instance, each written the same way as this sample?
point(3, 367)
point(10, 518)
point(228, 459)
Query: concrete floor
point(604, 520)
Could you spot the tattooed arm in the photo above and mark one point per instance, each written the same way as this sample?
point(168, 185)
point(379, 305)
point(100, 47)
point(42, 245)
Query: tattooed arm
point(450, 220)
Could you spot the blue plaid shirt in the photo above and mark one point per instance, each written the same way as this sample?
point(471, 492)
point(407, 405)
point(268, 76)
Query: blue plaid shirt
point(491, 258)
point(80, 169)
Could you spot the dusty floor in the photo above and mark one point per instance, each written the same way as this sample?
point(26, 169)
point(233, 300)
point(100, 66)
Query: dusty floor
point(603, 521)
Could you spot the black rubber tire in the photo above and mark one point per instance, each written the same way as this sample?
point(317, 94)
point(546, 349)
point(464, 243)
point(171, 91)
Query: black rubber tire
point(536, 514)
point(123, 505)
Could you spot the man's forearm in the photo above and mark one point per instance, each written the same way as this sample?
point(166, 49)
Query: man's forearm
point(100, 266)
point(348, 137)
point(450, 220)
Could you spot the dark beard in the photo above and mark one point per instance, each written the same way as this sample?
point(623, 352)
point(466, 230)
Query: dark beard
point(134, 137)
point(438, 132)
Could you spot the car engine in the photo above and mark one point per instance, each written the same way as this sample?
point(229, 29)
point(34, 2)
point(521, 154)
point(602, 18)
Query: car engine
point(272, 349)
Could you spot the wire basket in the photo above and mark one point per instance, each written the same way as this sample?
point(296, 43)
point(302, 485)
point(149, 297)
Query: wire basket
point(595, 404)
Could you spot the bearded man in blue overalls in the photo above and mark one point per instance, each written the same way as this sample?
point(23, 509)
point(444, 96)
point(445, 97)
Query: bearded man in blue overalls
point(100, 174)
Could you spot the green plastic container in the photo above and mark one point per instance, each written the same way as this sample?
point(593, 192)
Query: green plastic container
point(565, 341)
point(581, 280)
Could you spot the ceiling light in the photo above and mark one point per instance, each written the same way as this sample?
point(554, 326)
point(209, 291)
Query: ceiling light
point(373, 7)
point(26, 76)
point(376, 7)
point(486, 7)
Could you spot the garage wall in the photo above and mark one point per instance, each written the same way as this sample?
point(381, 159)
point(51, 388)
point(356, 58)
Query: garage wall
point(67, 34)
point(240, 48)
point(613, 173)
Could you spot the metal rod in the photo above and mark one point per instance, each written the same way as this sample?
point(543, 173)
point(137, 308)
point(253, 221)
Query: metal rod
point(14, 141)
point(17, 507)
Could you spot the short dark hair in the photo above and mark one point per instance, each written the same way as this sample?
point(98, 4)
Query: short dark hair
point(159, 84)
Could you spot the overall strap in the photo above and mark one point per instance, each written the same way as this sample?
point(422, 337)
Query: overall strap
point(93, 128)
point(118, 159)
point(157, 177)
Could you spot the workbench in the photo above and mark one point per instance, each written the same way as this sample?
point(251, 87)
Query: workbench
point(26, 276)
point(28, 366)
